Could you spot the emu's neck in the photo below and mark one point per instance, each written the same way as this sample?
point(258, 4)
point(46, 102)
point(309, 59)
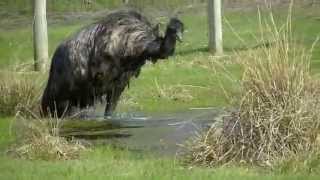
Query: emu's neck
point(168, 44)
point(162, 47)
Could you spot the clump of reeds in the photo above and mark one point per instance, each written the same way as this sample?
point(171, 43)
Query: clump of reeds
point(174, 93)
point(38, 138)
point(278, 114)
point(19, 89)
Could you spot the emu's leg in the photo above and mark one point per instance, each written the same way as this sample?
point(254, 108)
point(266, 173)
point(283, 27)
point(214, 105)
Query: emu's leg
point(63, 109)
point(107, 110)
point(52, 105)
point(55, 109)
point(112, 99)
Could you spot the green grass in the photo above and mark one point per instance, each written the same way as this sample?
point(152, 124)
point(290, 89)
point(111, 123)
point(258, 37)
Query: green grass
point(16, 45)
point(24, 7)
point(5, 138)
point(104, 162)
point(188, 66)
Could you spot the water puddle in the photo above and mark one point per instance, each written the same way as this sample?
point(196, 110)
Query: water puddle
point(157, 133)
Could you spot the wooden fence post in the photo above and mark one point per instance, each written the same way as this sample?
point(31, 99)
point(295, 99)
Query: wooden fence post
point(215, 27)
point(40, 36)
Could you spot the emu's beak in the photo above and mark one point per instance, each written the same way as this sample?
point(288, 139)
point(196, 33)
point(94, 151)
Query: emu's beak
point(179, 36)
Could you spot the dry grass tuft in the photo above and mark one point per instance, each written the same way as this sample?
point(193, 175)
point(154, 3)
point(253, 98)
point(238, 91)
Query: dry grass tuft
point(39, 139)
point(279, 108)
point(177, 92)
point(19, 89)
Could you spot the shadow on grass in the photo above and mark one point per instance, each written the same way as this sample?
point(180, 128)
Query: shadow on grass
point(192, 51)
point(226, 49)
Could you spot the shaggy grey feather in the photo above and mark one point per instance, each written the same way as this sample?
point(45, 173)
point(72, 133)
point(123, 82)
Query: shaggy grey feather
point(100, 59)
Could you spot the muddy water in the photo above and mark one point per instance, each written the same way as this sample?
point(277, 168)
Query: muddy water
point(159, 133)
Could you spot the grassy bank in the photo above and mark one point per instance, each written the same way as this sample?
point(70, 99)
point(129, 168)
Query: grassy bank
point(25, 6)
point(104, 162)
point(155, 90)
point(16, 40)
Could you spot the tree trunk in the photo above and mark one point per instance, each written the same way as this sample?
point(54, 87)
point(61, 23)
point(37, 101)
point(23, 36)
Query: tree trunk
point(215, 27)
point(40, 36)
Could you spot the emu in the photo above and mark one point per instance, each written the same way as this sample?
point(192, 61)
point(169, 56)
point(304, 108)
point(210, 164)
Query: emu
point(99, 60)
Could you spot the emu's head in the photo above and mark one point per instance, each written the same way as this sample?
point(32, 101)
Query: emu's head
point(176, 27)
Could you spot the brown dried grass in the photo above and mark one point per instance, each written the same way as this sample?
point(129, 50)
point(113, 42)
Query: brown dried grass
point(278, 112)
point(19, 89)
point(39, 139)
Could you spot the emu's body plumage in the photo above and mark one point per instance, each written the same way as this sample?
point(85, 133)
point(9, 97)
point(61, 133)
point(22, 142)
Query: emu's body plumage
point(100, 60)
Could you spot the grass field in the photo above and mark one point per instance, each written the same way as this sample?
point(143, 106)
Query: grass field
point(104, 162)
point(24, 7)
point(189, 66)
point(189, 73)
